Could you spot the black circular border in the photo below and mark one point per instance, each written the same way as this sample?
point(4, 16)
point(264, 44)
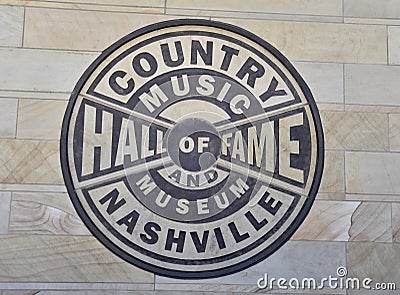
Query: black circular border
point(192, 274)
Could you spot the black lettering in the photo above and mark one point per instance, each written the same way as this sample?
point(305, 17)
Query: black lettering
point(99, 121)
point(235, 233)
point(179, 241)
point(117, 87)
point(206, 55)
point(176, 175)
point(112, 205)
point(254, 222)
point(211, 175)
point(151, 61)
point(272, 91)
point(151, 236)
point(166, 53)
point(195, 180)
point(200, 246)
point(129, 220)
point(229, 53)
point(220, 238)
point(268, 205)
point(247, 69)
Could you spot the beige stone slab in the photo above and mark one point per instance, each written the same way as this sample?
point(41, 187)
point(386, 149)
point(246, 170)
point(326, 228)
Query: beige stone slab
point(35, 95)
point(44, 213)
point(77, 286)
point(30, 162)
point(371, 222)
point(394, 45)
point(5, 200)
point(372, 173)
point(39, 258)
point(333, 175)
point(204, 12)
point(42, 70)
point(113, 292)
point(311, 7)
point(236, 289)
point(372, 84)
point(330, 107)
point(377, 261)
point(372, 9)
point(355, 131)
point(11, 26)
point(331, 196)
point(371, 108)
point(327, 220)
point(151, 6)
point(150, 3)
point(372, 21)
point(40, 119)
point(20, 292)
point(394, 132)
point(324, 79)
point(8, 117)
point(396, 222)
point(81, 30)
point(321, 42)
point(22, 187)
point(373, 198)
point(296, 259)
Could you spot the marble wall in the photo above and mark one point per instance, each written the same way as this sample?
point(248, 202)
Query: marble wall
point(348, 51)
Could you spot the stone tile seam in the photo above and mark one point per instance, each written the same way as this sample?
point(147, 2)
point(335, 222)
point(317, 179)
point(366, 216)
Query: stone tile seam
point(370, 18)
point(90, 52)
point(252, 12)
point(16, 120)
point(80, 3)
point(73, 52)
point(342, 11)
point(23, 28)
point(228, 11)
point(285, 18)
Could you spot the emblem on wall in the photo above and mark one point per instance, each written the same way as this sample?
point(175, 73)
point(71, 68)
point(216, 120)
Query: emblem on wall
point(192, 149)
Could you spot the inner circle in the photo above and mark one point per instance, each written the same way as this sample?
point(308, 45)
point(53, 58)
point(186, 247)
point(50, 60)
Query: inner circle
point(194, 144)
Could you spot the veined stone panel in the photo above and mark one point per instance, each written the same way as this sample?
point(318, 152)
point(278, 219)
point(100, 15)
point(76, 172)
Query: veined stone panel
point(152, 6)
point(5, 199)
point(355, 131)
point(307, 41)
point(372, 84)
point(44, 213)
point(8, 117)
point(81, 30)
point(309, 7)
point(31, 258)
point(388, 9)
point(41, 70)
point(324, 79)
point(40, 119)
point(394, 132)
point(382, 179)
point(29, 162)
point(333, 181)
point(11, 26)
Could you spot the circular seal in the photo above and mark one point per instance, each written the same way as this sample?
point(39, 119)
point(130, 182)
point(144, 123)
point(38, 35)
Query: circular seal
point(192, 149)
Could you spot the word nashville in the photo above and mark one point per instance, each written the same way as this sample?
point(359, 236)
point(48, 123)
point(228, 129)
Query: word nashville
point(149, 234)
